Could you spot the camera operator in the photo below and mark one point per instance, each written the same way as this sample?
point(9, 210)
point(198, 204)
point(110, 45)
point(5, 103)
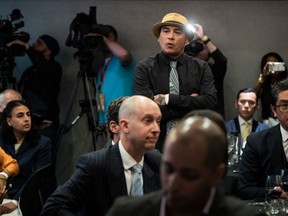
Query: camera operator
point(39, 86)
point(219, 66)
point(115, 78)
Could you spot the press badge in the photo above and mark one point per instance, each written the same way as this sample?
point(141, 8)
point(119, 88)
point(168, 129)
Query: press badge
point(101, 102)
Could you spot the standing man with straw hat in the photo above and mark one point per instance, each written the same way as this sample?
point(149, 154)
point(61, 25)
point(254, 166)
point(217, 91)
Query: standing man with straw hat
point(178, 83)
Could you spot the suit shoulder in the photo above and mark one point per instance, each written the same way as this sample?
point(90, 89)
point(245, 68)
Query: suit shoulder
point(128, 205)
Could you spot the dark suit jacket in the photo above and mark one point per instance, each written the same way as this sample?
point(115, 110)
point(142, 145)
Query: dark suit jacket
point(99, 179)
point(149, 204)
point(263, 155)
point(195, 76)
point(234, 126)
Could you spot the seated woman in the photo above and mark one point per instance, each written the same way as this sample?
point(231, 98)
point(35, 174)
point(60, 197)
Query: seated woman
point(24, 143)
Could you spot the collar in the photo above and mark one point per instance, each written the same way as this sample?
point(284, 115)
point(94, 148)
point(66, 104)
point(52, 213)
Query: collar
point(168, 59)
point(284, 134)
point(242, 121)
point(127, 159)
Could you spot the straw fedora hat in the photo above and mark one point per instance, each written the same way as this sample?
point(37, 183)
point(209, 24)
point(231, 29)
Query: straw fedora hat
point(173, 19)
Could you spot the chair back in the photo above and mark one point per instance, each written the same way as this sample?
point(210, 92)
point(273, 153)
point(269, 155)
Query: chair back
point(31, 200)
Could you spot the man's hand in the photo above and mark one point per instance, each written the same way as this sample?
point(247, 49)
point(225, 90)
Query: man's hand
point(3, 192)
point(160, 99)
point(92, 34)
point(7, 208)
point(18, 42)
point(199, 31)
point(3, 183)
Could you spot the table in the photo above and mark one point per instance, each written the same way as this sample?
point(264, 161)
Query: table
point(16, 212)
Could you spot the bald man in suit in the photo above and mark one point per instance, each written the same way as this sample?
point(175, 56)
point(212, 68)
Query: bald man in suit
point(104, 175)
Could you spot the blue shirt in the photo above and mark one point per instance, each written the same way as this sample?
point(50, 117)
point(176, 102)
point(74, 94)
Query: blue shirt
point(117, 82)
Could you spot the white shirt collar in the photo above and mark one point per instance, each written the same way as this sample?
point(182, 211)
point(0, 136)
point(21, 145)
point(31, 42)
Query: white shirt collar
point(284, 134)
point(127, 159)
point(241, 120)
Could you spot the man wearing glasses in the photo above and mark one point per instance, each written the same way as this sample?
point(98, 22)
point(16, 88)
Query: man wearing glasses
point(266, 152)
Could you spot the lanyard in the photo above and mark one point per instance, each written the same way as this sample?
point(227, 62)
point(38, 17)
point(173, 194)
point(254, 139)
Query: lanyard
point(102, 74)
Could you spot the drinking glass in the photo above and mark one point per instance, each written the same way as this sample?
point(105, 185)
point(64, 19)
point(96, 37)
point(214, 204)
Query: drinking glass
point(273, 205)
point(284, 175)
point(232, 149)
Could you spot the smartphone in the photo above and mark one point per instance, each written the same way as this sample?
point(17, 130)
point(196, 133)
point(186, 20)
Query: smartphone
point(277, 66)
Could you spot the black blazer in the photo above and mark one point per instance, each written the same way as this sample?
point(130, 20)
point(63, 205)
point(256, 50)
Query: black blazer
point(263, 155)
point(98, 180)
point(150, 205)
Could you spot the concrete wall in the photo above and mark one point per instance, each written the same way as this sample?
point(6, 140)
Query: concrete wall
point(243, 30)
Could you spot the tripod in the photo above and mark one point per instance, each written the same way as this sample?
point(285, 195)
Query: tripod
point(7, 80)
point(86, 105)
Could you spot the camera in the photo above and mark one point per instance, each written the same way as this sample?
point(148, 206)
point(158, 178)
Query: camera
point(8, 33)
point(276, 66)
point(81, 26)
point(193, 48)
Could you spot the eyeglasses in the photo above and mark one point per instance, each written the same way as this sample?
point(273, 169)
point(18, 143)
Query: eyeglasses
point(283, 107)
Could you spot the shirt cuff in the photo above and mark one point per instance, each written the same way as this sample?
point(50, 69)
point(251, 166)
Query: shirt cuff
point(15, 202)
point(4, 174)
point(167, 98)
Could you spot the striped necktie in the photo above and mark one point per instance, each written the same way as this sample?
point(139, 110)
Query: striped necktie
point(173, 89)
point(137, 187)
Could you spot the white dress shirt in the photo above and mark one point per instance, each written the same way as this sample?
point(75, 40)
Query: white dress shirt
point(128, 162)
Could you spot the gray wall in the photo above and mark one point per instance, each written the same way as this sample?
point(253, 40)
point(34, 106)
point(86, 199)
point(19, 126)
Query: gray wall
point(244, 31)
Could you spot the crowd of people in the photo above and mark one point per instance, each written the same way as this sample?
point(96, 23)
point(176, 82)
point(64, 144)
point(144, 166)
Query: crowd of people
point(166, 148)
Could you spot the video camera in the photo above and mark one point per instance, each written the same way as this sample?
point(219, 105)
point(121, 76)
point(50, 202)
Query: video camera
point(8, 33)
point(82, 25)
point(90, 48)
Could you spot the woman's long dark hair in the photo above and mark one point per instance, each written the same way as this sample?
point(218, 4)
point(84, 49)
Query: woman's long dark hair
point(7, 131)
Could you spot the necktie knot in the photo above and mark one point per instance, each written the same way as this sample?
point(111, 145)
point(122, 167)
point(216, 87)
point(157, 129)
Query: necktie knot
point(136, 168)
point(173, 64)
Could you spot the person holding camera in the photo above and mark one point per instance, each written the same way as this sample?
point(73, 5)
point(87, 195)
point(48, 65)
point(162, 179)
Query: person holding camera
point(39, 84)
point(203, 48)
point(267, 79)
point(115, 78)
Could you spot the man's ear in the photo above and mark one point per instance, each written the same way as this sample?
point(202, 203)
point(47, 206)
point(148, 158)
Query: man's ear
point(114, 127)
point(235, 104)
point(124, 125)
point(218, 174)
point(273, 109)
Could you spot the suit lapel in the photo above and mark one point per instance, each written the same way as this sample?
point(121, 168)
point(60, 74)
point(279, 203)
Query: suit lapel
point(150, 179)
point(277, 155)
point(117, 182)
point(254, 126)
